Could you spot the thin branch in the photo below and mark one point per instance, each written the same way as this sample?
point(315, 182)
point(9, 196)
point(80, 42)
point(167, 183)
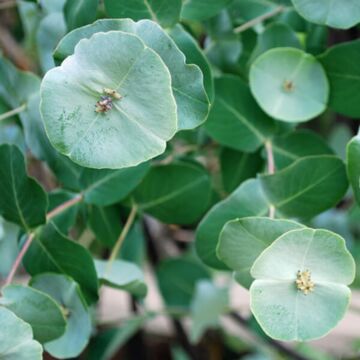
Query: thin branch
point(258, 20)
point(66, 205)
point(273, 343)
point(19, 258)
point(13, 112)
point(115, 251)
point(271, 170)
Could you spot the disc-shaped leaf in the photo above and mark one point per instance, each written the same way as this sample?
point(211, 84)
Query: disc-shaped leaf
point(341, 65)
point(78, 330)
point(247, 200)
point(243, 240)
point(9, 249)
point(109, 131)
point(202, 9)
point(235, 119)
point(37, 309)
point(122, 275)
point(289, 84)
point(177, 278)
point(80, 12)
point(334, 13)
point(22, 201)
point(51, 251)
point(187, 79)
point(300, 290)
point(353, 165)
point(298, 144)
point(107, 187)
point(164, 12)
point(308, 187)
point(178, 193)
point(17, 341)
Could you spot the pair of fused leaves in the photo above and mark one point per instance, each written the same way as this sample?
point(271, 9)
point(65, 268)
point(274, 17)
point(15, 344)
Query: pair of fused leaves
point(273, 252)
point(158, 94)
point(296, 191)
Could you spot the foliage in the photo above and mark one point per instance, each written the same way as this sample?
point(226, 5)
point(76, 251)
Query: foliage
point(212, 125)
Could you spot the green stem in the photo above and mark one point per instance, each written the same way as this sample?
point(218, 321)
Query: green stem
point(12, 112)
point(258, 20)
point(271, 171)
point(115, 251)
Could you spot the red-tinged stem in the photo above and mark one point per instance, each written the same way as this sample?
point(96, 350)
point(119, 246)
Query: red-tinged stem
point(271, 170)
point(24, 249)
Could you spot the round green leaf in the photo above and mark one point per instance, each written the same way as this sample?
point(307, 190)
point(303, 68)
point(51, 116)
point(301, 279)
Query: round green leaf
point(283, 310)
point(177, 278)
point(67, 293)
point(164, 12)
point(137, 126)
point(341, 63)
point(289, 84)
point(241, 241)
point(17, 341)
point(178, 193)
point(235, 119)
point(308, 187)
point(187, 79)
point(247, 200)
point(334, 13)
point(353, 165)
point(37, 309)
point(122, 275)
point(202, 9)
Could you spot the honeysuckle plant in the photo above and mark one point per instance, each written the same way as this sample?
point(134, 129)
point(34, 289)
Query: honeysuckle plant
point(210, 144)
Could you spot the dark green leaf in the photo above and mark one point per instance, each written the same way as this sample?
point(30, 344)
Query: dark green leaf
point(80, 12)
point(353, 165)
point(202, 9)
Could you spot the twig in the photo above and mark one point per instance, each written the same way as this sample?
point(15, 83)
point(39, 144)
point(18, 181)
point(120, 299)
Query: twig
point(258, 20)
point(31, 236)
point(271, 170)
point(13, 112)
point(120, 240)
point(275, 344)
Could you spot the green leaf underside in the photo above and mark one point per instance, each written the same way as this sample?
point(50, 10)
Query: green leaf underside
point(67, 293)
point(22, 199)
point(164, 12)
point(202, 9)
point(289, 84)
point(235, 119)
point(353, 165)
point(341, 65)
point(296, 145)
point(17, 341)
point(334, 13)
point(208, 304)
point(139, 124)
point(122, 275)
point(283, 311)
point(247, 200)
point(187, 79)
point(51, 251)
point(37, 309)
point(178, 193)
point(242, 241)
point(177, 278)
point(308, 187)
